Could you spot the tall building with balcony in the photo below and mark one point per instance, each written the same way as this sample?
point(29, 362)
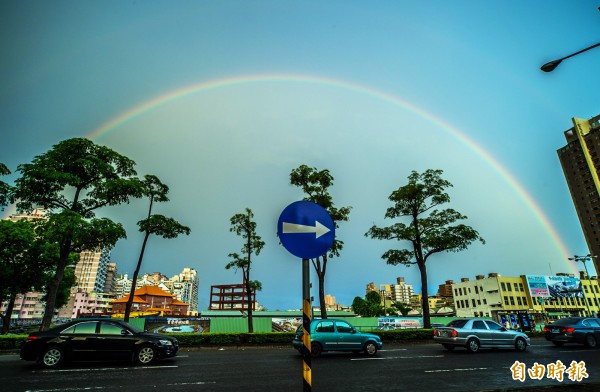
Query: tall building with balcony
point(401, 292)
point(580, 161)
point(185, 287)
point(91, 271)
point(111, 278)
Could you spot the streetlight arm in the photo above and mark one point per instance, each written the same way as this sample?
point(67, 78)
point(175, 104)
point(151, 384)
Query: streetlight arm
point(550, 66)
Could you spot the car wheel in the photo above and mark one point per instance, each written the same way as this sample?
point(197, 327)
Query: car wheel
point(558, 344)
point(520, 344)
point(590, 341)
point(51, 357)
point(370, 348)
point(315, 349)
point(473, 345)
point(145, 355)
point(448, 347)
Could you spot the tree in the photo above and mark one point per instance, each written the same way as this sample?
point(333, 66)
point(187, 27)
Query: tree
point(242, 225)
point(5, 189)
point(155, 224)
point(370, 306)
point(401, 307)
point(315, 184)
point(17, 262)
point(428, 231)
point(71, 181)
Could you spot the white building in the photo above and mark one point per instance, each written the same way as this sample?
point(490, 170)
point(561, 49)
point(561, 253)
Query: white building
point(401, 292)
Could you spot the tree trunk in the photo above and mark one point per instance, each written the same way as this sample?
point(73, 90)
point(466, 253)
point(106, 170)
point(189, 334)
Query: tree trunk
point(8, 314)
point(250, 303)
point(425, 295)
point(321, 269)
point(54, 284)
point(134, 279)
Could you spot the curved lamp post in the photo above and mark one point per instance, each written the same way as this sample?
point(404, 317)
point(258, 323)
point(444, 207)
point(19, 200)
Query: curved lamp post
point(549, 67)
point(583, 259)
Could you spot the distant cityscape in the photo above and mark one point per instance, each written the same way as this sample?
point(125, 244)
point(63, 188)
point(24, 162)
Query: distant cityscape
point(99, 290)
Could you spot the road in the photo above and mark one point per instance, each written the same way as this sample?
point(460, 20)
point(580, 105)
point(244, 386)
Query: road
point(412, 367)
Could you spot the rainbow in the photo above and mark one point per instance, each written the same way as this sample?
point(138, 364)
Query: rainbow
point(180, 93)
point(207, 86)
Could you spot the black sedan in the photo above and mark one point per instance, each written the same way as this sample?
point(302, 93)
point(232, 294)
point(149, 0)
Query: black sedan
point(582, 330)
point(92, 340)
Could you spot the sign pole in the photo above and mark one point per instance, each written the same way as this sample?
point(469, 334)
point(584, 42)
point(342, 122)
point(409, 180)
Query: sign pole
point(306, 230)
point(306, 317)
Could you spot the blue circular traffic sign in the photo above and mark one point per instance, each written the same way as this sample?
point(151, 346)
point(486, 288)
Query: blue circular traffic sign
point(305, 229)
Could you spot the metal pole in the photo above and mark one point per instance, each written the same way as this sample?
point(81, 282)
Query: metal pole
point(583, 259)
point(306, 318)
point(589, 257)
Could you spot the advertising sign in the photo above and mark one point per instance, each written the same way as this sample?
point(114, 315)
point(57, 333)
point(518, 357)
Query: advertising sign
point(554, 286)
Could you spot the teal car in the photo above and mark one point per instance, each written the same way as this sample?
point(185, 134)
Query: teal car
point(337, 335)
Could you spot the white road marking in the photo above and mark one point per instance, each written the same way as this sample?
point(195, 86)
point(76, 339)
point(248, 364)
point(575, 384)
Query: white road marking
point(409, 357)
point(454, 370)
point(115, 387)
point(103, 369)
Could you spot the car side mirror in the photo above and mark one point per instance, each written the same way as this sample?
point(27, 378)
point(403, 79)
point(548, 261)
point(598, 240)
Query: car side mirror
point(503, 329)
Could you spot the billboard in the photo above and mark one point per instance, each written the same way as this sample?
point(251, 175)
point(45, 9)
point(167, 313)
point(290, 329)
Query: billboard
point(554, 286)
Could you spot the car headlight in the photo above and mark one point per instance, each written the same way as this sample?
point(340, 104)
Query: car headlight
point(165, 342)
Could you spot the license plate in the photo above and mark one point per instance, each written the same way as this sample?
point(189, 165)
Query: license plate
point(555, 330)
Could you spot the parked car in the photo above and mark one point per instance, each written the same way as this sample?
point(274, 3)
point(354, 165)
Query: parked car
point(582, 330)
point(337, 335)
point(476, 333)
point(92, 340)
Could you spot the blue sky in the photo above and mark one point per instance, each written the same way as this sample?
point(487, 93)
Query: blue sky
point(221, 100)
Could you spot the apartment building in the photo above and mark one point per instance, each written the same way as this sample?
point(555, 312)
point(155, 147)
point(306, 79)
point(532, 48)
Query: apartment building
point(580, 161)
point(91, 271)
point(543, 297)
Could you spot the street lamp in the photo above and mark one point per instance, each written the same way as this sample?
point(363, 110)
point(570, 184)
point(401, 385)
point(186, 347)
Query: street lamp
point(549, 67)
point(583, 259)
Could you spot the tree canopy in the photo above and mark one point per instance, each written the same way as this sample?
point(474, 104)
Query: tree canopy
point(5, 188)
point(71, 181)
point(370, 306)
point(427, 230)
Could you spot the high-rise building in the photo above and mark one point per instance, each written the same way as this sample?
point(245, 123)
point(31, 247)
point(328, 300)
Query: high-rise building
point(91, 271)
point(580, 160)
point(185, 287)
point(401, 292)
point(111, 278)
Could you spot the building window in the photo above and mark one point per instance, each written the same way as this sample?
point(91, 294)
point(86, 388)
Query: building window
point(519, 301)
point(505, 300)
point(521, 287)
point(512, 301)
point(503, 286)
point(516, 286)
point(508, 287)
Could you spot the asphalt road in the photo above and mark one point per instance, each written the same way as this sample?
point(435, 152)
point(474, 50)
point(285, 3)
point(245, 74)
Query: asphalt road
point(413, 367)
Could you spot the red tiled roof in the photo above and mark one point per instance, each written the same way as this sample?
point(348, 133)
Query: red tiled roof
point(136, 300)
point(151, 290)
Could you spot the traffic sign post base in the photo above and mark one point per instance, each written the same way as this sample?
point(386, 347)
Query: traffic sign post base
point(306, 318)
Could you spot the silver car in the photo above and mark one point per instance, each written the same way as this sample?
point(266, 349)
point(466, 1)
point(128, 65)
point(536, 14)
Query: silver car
point(476, 333)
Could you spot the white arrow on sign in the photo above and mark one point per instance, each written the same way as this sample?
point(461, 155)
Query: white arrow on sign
point(318, 229)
